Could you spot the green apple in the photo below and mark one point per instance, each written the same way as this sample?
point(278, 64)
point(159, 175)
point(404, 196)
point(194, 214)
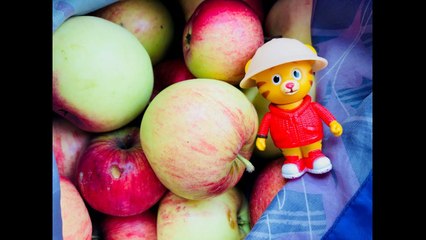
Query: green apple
point(148, 20)
point(261, 106)
point(102, 75)
point(225, 216)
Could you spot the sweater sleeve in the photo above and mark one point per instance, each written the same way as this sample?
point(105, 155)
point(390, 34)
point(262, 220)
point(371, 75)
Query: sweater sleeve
point(264, 125)
point(323, 113)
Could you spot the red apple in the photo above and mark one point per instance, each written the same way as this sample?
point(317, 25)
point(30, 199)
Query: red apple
point(114, 176)
point(138, 227)
point(257, 7)
point(76, 223)
point(68, 142)
point(219, 39)
point(267, 184)
point(168, 72)
point(197, 135)
point(189, 6)
point(149, 20)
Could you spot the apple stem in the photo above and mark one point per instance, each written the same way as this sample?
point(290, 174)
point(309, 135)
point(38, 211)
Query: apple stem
point(247, 163)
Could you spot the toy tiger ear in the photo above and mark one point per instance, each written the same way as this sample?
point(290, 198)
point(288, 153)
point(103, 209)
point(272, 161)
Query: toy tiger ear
point(247, 66)
point(311, 48)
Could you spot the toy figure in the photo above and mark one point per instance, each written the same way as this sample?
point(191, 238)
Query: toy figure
point(283, 71)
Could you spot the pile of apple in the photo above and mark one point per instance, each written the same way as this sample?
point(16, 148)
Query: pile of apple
point(152, 136)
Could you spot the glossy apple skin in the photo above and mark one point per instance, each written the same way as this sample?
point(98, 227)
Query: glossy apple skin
point(138, 227)
point(267, 184)
point(149, 20)
point(221, 217)
point(76, 223)
point(68, 143)
point(192, 133)
point(114, 176)
point(219, 39)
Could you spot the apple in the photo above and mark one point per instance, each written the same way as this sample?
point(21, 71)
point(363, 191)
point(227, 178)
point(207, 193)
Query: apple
point(68, 142)
point(266, 186)
point(197, 136)
point(76, 223)
point(102, 75)
point(291, 19)
point(149, 20)
point(114, 176)
point(138, 227)
point(224, 216)
point(261, 106)
point(257, 7)
point(189, 6)
point(219, 39)
point(168, 72)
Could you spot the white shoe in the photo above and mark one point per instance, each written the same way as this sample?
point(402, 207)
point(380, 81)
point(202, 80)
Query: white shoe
point(320, 165)
point(293, 168)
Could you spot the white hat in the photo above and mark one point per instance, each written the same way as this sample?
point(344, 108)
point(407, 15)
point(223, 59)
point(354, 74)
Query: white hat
point(279, 51)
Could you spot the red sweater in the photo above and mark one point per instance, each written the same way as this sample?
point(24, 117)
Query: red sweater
point(297, 127)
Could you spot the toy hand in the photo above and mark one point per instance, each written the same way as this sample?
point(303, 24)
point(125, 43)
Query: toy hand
point(336, 128)
point(261, 143)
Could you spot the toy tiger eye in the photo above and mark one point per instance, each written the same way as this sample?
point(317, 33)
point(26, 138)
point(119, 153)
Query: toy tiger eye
point(283, 71)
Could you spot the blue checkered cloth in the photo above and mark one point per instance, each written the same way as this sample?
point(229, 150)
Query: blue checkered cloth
point(336, 205)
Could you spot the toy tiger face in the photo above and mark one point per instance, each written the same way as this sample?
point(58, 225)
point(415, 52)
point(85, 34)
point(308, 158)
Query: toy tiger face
point(285, 83)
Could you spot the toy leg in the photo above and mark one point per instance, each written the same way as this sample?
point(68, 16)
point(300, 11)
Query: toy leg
point(315, 161)
point(294, 165)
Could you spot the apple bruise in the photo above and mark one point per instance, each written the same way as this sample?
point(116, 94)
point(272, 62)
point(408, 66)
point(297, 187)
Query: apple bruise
point(106, 184)
point(124, 144)
point(231, 219)
point(115, 172)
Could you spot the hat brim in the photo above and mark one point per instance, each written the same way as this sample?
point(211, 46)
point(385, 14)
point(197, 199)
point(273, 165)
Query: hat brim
point(319, 64)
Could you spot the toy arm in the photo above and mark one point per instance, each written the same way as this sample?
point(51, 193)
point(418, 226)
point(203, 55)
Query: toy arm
point(263, 132)
point(335, 127)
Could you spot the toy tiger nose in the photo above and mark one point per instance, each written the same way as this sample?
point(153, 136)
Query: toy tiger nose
point(283, 71)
